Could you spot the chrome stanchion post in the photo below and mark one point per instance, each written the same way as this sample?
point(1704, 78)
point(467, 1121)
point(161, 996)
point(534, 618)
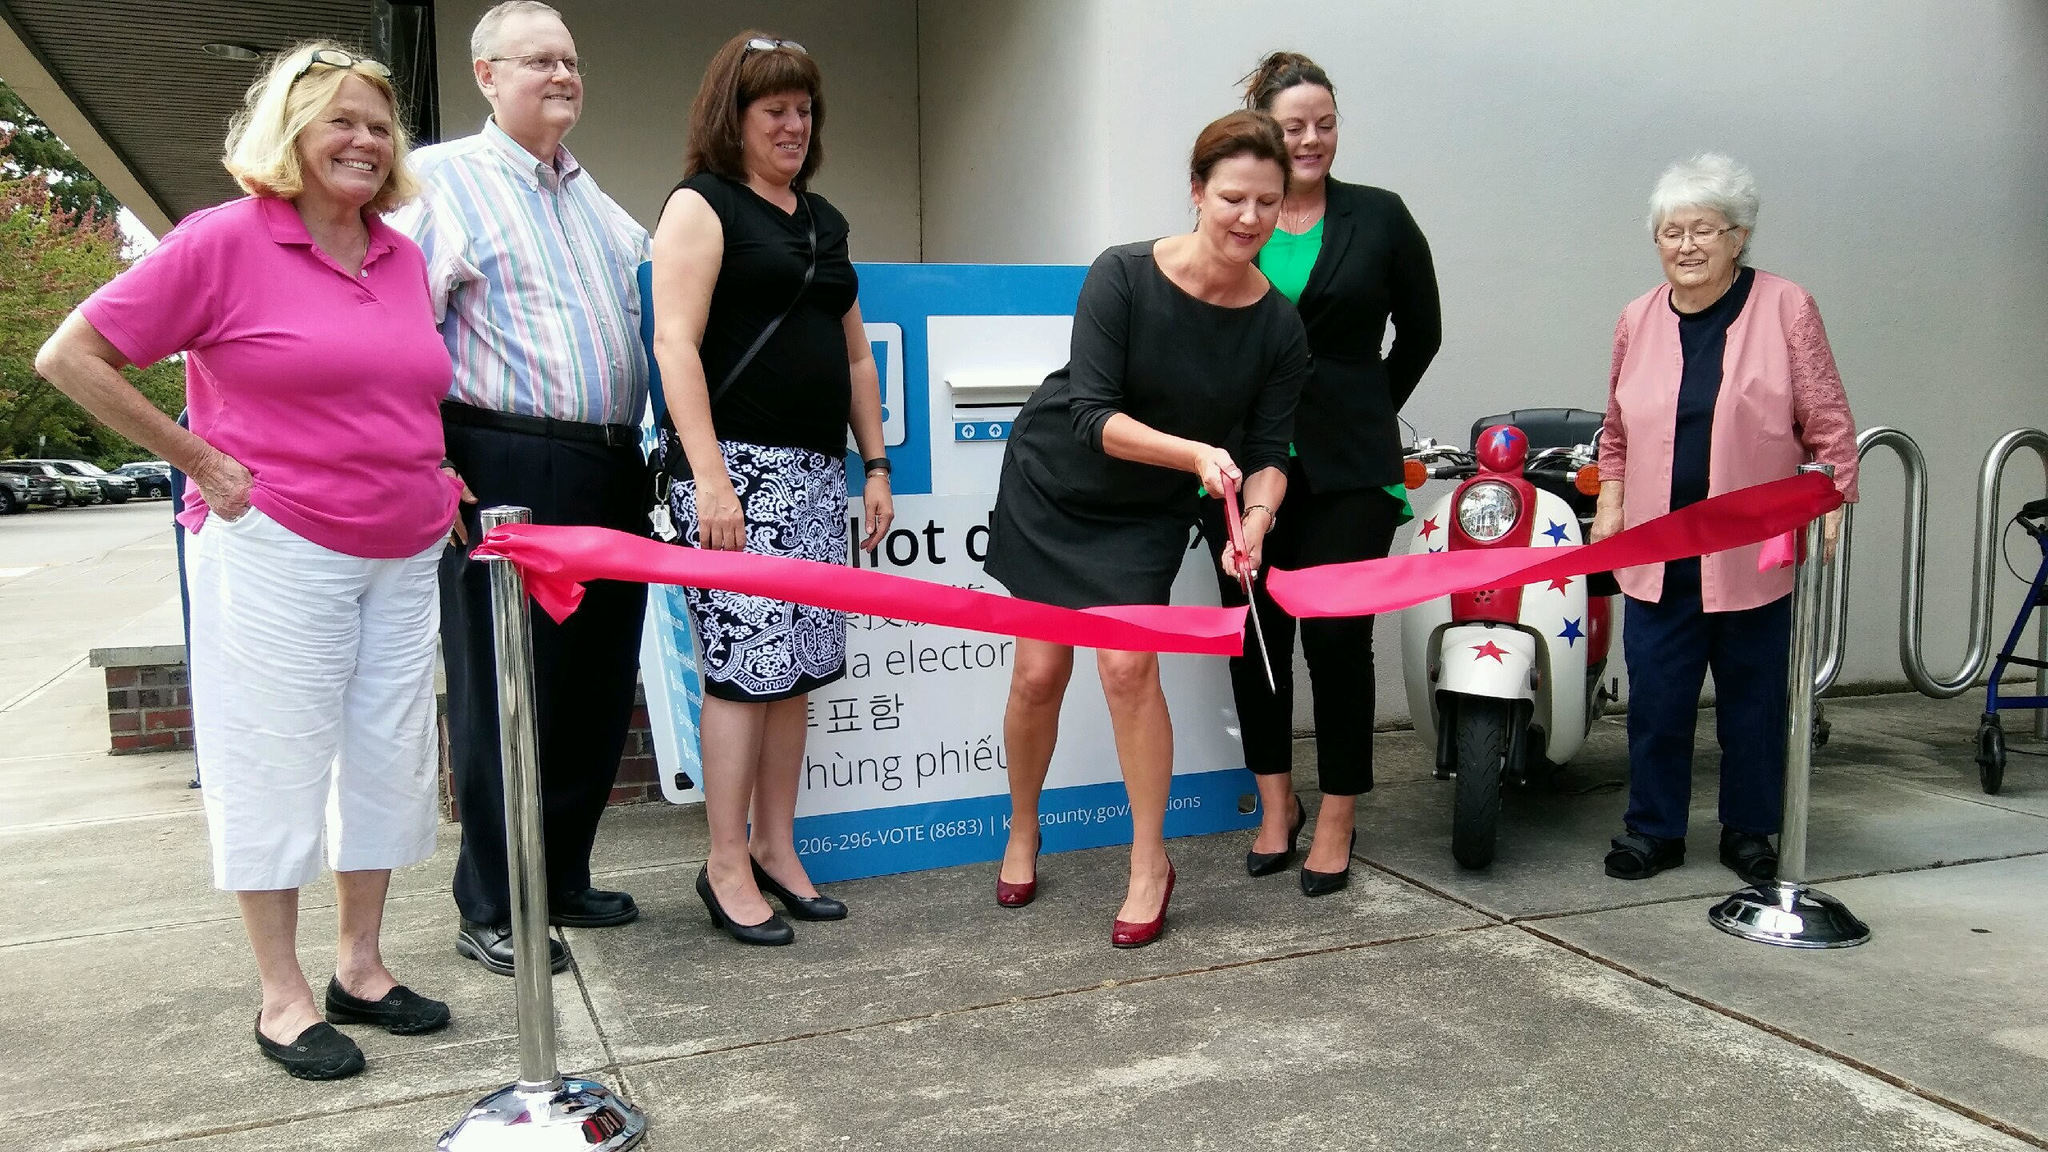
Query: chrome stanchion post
point(1788, 912)
point(541, 1110)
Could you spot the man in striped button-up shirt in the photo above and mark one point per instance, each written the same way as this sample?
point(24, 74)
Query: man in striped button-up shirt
point(533, 270)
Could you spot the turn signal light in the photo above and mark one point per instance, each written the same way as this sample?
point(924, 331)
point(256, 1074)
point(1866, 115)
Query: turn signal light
point(1414, 473)
point(1588, 480)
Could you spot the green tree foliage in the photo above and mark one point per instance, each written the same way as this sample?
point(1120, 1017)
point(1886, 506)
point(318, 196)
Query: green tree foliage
point(58, 242)
point(29, 150)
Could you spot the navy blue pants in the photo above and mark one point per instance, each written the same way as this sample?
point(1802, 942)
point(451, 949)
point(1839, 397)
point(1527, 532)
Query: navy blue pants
point(1669, 647)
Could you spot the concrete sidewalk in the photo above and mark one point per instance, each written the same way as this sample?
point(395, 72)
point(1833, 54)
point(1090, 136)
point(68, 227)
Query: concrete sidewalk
point(1538, 1005)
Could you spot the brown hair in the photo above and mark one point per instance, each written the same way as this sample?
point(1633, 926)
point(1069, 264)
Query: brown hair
point(1243, 133)
point(1278, 72)
point(736, 77)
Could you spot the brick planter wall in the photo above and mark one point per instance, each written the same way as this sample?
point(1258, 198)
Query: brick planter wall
point(149, 709)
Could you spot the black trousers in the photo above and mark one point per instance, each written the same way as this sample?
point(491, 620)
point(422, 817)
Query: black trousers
point(1670, 645)
point(584, 669)
point(1313, 528)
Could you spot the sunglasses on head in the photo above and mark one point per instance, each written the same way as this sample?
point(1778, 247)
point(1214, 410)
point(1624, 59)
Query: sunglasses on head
point(335, 58)
point(766, 44)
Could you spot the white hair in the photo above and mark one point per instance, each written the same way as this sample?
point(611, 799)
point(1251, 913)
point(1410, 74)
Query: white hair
point(484, 39)
point(1709, 180)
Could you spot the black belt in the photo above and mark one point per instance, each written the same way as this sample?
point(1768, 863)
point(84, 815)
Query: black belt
point(609, 435)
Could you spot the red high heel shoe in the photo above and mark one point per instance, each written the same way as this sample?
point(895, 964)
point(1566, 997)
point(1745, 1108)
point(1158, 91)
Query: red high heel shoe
point(1124, 934)
point(1017, 895)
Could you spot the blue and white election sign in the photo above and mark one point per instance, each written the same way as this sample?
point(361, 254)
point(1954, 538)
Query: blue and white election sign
point(905, 767)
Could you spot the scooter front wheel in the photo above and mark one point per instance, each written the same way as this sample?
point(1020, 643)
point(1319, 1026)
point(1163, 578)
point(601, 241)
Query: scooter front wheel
point(1483, 738)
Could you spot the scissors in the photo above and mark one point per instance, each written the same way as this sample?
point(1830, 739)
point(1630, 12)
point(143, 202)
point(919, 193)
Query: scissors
point(1234, 520)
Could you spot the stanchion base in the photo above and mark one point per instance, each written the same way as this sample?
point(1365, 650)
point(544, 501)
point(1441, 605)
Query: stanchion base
point(1790, 916)
point(581, 1114)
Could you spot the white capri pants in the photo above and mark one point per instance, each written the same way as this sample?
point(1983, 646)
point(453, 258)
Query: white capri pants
point(312, 704)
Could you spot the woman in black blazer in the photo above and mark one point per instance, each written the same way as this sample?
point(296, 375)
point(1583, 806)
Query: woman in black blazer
point(1352, 258)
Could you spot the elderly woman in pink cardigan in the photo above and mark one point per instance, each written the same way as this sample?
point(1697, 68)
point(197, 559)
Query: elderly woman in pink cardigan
point(1722, 378)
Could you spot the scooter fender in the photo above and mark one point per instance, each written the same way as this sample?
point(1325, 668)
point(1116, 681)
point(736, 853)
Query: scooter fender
point(1495, 662)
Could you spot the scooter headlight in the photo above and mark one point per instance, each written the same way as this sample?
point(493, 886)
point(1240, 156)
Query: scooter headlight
point(1488, 510)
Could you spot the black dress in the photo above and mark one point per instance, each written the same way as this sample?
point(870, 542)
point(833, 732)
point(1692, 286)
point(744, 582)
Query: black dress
point(1076, 527)
point(1374, 268)
point(782, 429)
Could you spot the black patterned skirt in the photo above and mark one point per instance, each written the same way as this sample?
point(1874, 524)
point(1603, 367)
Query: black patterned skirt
point(756, 649)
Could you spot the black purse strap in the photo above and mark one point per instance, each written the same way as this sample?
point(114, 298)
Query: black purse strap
point(747, 357)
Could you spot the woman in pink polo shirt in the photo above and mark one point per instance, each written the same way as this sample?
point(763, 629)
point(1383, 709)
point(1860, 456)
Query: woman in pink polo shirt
point(314, 376)
point(1722, 379)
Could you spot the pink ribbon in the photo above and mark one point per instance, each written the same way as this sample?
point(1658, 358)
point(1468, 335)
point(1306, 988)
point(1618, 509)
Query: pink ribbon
point(1730, 520)
point(558, 560)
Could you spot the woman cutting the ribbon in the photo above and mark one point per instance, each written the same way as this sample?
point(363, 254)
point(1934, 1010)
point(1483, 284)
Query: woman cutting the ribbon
point(1179, 345)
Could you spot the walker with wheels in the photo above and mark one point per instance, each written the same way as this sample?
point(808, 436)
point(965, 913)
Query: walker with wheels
point(2033, 517)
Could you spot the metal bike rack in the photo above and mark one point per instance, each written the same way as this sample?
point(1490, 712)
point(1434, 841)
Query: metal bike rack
point(1913, 569)
point(542, 1110)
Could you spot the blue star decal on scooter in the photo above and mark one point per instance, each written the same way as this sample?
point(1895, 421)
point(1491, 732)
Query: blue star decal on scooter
point(1571, 634)
point(1556, 532)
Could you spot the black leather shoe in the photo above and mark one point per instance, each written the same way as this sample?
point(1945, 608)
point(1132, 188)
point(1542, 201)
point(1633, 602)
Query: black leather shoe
point(1315, 883)
point(1267, 863)
point(770, 932)
point(1635, 856)
point(1750, 856)
point(402, 1012)
point(819, 907)
point(592, 908)
point(319, 1053)
point(491, 946)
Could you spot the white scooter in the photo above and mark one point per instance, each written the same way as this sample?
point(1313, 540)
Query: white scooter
point(1507, 681)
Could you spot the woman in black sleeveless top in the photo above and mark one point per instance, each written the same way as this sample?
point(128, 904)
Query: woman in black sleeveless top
point(743, 251)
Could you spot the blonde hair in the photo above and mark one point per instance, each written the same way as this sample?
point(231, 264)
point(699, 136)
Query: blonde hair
point(263, 138)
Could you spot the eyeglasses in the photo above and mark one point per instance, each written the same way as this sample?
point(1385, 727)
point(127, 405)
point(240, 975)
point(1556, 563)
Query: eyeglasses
point(541, 65)
point(335, 58)
point(764, 44)
point(1701, 235)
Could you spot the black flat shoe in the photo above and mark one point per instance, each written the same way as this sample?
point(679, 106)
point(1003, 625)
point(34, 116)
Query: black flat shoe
point(1750, 856)
point(1639, 857)
point(1315, 883)
point(491, 946)
point(1267, 863)
point(772, 932)
point(319, 1053)
point(819, 907)
point(592, 908)
point(402, 1012)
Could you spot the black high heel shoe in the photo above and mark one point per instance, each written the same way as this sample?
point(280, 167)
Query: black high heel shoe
point(819, 907)
point(1267, 863)
point(772, 931)
point(1315, 883)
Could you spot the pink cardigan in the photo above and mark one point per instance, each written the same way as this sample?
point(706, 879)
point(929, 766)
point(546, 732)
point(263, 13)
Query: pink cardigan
point(1781, 404)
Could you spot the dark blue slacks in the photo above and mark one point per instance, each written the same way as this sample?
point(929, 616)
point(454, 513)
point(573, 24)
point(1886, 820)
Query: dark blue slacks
point(1669, 647)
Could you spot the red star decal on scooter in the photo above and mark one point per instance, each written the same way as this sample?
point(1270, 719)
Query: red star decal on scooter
point(1490, 649)
point(1560, 583)
point(1429, 528)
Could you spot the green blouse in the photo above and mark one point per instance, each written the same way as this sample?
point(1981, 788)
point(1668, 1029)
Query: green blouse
point(1287, 259)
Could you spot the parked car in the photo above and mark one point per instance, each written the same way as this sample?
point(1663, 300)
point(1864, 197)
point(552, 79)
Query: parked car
point(151, 478)
point(53, 487)
point(114, 489)
point(16, 492)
